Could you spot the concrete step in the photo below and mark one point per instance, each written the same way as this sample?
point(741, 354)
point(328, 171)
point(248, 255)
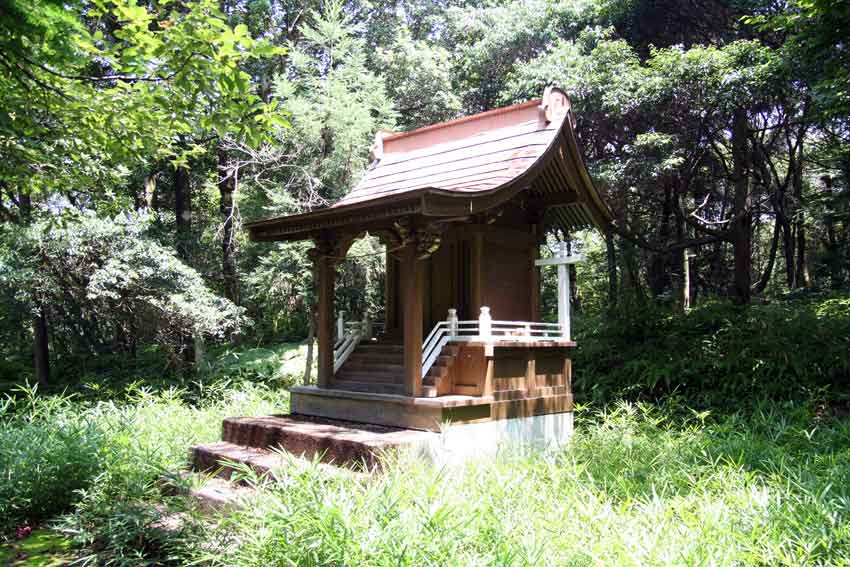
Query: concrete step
point(336, 441)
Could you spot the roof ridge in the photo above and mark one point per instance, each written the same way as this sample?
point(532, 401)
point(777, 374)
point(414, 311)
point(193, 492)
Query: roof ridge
point(390, 136)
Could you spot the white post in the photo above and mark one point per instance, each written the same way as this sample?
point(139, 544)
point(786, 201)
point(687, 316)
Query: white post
point(452, 321)
point(562, 261)
point(340, 325)
point(485, 324)
point(564, 294)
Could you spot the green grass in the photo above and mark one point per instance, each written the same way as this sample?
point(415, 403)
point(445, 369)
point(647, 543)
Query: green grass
point(761, 478)
point(636, 487)
point(639, 485)
point(42, 548)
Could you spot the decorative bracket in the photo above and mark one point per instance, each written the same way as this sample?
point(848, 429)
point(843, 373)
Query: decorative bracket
point(404, 233)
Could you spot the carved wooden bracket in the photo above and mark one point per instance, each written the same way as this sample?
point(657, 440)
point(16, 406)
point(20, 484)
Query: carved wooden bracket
point(332, 247)
point(404, 233)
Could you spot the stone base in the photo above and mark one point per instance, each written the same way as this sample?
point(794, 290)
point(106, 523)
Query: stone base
point(254, 441)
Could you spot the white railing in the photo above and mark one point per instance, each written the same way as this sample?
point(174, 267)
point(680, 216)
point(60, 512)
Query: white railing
point(348, 336)
point(484, 329)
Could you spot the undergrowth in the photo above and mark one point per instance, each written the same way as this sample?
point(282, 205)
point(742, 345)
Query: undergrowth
point(718, 355)
point(636, 487)
point(742, 458)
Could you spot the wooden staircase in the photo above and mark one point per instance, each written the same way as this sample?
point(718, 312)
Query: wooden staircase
point(438, 381)
point(374, 366)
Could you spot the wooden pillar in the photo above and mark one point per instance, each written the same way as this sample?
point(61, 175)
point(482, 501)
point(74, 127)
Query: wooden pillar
point(390, 315)
point(326, 275)
point(476, 264)
point(534, 285)
point(412, 275)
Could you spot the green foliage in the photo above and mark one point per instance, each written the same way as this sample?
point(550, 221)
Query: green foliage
point(637, 486)
point(337, 104)
point(57, 452)
point(42, 548)
point(418, 78)
point(105, 280)
point(717, 355)
point(89, 92)
point(814, 33)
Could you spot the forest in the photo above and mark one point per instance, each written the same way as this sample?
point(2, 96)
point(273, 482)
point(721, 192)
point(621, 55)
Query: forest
point(713, 315)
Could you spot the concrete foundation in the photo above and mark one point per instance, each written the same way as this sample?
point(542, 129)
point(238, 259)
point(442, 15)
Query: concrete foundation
point(459, 442)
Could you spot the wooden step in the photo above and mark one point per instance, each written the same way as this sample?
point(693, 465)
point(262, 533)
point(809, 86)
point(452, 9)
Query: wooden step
point(359, 365)
point(438, 372)
point(375, 358)
point(377, 374)
point(380, 348)
point(371, 387)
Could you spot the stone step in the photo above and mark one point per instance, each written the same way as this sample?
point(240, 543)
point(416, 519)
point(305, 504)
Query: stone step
point(224, 460)
point(336, 441)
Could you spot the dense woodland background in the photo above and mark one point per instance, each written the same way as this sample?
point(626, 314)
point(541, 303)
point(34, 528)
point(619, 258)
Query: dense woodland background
point(136, 138)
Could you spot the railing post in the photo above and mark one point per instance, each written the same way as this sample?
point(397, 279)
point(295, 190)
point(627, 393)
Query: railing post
point(366, 327)
point(485, 324)
point(452, 321)
point(340, 325)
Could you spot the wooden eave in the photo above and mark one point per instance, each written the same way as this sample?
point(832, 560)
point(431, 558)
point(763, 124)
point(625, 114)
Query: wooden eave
point(556, 182)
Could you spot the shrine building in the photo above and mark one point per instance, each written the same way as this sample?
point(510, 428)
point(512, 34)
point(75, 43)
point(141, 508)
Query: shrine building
point(462, 208)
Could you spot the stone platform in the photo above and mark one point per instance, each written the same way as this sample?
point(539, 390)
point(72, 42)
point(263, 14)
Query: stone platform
point(255, 441)
point(270, 443)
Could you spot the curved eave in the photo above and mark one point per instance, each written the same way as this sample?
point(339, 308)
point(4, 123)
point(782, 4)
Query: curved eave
point(559, 172)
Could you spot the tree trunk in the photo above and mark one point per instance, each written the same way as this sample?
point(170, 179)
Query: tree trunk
point(311, 338)
point(787, 247)
point(611, 257)
point(659, 273)
point(833, 247)
point(41, 341)
point(182, 211)
point(226, 189)
point(41, 350)
point(151, 201)
point(771, 260)
point(741, 228)
point(802, 267)
point(183, 222)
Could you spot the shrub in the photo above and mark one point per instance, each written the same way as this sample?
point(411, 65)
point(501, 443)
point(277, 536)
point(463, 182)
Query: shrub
point(718, 355)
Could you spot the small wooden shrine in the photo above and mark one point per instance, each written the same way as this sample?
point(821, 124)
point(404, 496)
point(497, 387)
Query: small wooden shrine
point(462, 207)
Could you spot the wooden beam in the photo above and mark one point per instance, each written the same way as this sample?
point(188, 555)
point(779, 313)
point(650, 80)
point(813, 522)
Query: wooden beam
point(412, 275)
point(552, 200)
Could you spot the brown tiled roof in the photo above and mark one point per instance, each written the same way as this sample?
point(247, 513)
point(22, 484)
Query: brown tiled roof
point(485, 158)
